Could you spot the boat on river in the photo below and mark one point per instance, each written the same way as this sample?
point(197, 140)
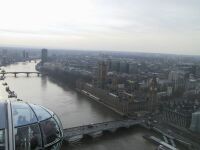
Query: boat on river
point(2, 77)
point(12, 94)
point(7, 89)
point(4, 84)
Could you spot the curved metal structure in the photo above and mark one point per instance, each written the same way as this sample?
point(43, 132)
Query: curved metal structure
point(25, 126)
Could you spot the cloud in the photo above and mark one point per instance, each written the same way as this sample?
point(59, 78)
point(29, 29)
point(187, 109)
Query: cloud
point(132, 24)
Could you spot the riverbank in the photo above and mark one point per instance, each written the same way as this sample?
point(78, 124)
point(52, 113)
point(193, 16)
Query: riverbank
point(72, 80)
point(98, 100)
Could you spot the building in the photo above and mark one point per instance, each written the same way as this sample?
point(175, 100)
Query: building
point(178, 79)
point(195, 124)
point(124, 67)
point(153, 94)
point(133, 68)
point(102, 74)
point(44, 56)
point(25, 55)
point(178, 118)
point(115, 65)
point(109, 62)
point(4, 60)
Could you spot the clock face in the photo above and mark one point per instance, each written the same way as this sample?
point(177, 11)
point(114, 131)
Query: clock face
point(153, 88)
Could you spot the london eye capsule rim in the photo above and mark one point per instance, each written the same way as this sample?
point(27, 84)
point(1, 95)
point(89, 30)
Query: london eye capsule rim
point(7, 124)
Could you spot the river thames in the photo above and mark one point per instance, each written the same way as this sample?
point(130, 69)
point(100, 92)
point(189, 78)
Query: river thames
point(72, 108)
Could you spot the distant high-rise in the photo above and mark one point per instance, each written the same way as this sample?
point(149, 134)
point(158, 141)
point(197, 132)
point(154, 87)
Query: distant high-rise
point(44, 56)
point(5, 52)
point(124, 67)
point(115, 65)
point(25, 55)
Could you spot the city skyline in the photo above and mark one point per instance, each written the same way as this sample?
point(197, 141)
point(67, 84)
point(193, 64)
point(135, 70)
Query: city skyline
point(155, 27)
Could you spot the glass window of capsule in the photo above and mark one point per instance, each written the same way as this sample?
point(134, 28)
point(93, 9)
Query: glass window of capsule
point(3, 125)
point(34, 127)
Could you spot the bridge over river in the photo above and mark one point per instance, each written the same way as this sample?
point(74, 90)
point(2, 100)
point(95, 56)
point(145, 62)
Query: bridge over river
point(93, 130)
point(21, 72)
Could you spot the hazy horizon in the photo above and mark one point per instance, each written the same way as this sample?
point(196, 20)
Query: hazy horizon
point(170, 27)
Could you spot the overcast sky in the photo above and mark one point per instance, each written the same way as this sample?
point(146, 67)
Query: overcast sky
point(164, 26)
